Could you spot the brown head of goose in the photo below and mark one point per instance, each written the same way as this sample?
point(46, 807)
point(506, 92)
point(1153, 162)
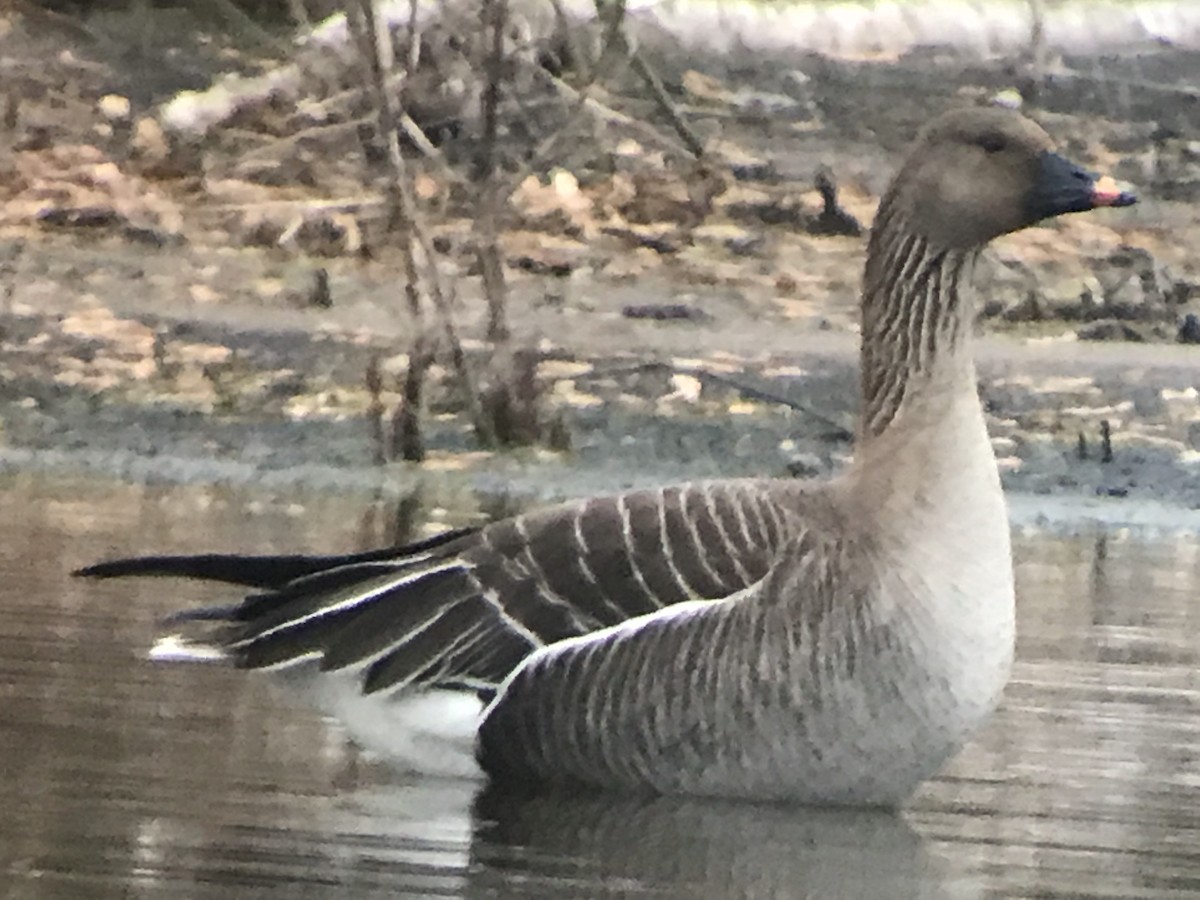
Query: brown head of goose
point(826, 642)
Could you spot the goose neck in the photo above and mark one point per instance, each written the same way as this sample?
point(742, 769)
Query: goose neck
point(917, 320)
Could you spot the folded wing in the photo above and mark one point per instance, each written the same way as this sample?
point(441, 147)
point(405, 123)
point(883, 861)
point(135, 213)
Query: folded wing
point(462, 610)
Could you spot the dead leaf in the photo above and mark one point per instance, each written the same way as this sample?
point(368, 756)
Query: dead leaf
point(704, 88)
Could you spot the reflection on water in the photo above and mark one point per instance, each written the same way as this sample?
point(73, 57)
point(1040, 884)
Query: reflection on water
point(692, 848)
point(119, 777)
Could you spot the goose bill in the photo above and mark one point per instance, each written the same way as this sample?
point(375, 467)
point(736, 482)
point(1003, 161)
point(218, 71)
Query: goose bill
point(1063, 187)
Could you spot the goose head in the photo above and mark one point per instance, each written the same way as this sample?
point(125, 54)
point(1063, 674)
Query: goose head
point(976, 174)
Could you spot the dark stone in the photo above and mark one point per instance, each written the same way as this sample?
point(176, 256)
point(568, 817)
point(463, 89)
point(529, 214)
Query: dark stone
point(1028, 310)
point(663, 312)
point(1189, 330)
point(79, 217)
point(746, 245)
point(1109, 330)
point(833, 220)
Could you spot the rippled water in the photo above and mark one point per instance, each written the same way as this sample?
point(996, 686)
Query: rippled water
point(124, 778)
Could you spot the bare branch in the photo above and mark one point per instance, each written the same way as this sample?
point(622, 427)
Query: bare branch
point(837, 430)
point(583, 65)
point(663, 102)
point(407, 440)
point(376, 410)
point(491, 263)
point(403, 218)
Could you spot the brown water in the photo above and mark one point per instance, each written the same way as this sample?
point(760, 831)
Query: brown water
point(123, 778)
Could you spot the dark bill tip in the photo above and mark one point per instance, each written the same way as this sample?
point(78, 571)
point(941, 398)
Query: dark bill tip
point(1063, 187)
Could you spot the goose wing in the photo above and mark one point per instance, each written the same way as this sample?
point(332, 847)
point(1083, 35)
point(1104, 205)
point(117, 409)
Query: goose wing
point(464, 609)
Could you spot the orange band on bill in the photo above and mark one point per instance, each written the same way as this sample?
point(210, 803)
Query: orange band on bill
point(1106, 191)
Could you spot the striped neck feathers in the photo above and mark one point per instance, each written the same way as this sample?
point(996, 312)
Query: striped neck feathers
point(917, 317)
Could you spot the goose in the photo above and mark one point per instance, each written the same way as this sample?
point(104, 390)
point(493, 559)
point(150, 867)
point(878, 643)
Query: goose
point(823, 642)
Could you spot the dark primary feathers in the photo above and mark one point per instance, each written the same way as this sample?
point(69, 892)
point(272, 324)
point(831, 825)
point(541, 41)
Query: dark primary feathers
point(250, 571)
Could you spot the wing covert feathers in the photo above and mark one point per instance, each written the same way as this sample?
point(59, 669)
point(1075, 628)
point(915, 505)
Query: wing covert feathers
point(464, 609)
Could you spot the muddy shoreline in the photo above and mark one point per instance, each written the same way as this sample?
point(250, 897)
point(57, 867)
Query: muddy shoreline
point(197, 360)
point(1040, 399)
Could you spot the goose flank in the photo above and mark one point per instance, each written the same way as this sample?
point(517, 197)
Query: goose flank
point(828, 642)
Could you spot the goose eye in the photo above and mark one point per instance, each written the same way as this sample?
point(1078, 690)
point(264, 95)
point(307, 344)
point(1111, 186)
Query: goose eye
point(992, 143)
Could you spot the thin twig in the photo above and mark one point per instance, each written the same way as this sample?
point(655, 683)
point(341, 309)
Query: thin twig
point(413, 131)
point(346, 204)
point(1037, 40)
point(663, 102)
point(404, 219)
point(421, 141)
point(273, 145)
point(407, 440)
point(580, 102)
point(612, 14)
point(491, 264)
point(584, 103)
point(412, 48)
point(376, 410)
point(579, 58)
point(8, 273)
point(299, 14)
point(347, 98)
point(247, 26)
point(610, 116)
point(838, 431)
point(617, 41)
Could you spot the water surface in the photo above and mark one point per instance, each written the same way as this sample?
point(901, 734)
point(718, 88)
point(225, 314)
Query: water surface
point(124, 778)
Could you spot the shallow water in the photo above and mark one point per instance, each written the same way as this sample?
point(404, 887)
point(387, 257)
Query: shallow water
point(124, 778)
